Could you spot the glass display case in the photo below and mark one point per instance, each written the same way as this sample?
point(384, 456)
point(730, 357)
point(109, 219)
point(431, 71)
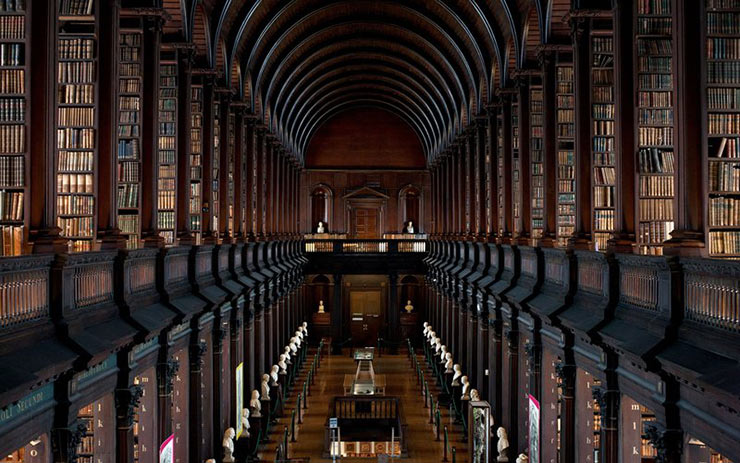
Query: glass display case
point(481, 427)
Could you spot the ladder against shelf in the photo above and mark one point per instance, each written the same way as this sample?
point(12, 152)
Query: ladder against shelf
point(722, 78)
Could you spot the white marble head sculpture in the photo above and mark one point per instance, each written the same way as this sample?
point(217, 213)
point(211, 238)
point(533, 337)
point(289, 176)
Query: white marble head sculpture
point(292, 345)
point(282, 364)
point(465, 386)
point(458, 373)
point(255, 403)
point(298, 338)
point(286, 351)
point(474, 395)
point(305, 327)
point(245, 422)
point(522, 458)
point(274, 374)
point(265, 386)
point(299, 333)
point(437, 346)
point(448, 362)
point(443, 352)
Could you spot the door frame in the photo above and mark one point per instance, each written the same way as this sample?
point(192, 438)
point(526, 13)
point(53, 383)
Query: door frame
point(365, 198)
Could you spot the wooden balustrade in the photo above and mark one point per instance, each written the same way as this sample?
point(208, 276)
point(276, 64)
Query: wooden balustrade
point(592, 272)
point(141, 271)
point(362, 247)
point(712, 293)
point(176, 266)
point(24, 290)
point(90, 279)
point(644, 282)
point(384, 246)
point(364, 408)
point(203, 262)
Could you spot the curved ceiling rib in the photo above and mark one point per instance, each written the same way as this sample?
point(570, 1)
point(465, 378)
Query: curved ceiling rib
point(428, 61)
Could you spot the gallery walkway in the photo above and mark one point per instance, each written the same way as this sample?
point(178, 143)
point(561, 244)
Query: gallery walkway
point(400, 382)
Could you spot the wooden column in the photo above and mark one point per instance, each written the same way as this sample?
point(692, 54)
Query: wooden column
point(239, 173)
point(185, 57)
point(481, 183)
point(269, 195)
point(547, 59)
point(108, 232)
point(687, 239)
point(466, 152)
point(580, 33)
point(250, 137)
point(260, 179)
point(207, 160)
point(223, 169)
point(460, 177)
point(149, 130)
point(492, 224)
point(525, 168)
point(567, 375)
point(508, 226)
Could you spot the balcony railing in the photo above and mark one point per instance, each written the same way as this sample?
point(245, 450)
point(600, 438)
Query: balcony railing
point(354, 246)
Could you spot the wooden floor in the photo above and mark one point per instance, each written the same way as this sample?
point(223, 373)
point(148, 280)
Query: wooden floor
point(401, 382)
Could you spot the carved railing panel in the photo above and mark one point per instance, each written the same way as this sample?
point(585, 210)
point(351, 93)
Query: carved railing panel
point(644, 283)
point(712, 293)
point(592, 272)
point(24, 290)
point(203, 262)
point(176, 266)
point(140, 271)
point(91, 276)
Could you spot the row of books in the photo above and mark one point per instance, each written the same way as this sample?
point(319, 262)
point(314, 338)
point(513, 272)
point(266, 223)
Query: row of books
point(12, 109)
point(76, 49)
point(75, 205)
point(11, 54)
point(724, 212)
point(658, 136)
point(726, 148)
point(653, 47)
point(128, 130)
point(724, 176)
point(12, 81)
point(128, 86)
point(661, 7)
point(655, 99)
point(655, 81)
point(130, 54)
point(76, 94)
point(128, 172)
point(73, 116)
point(76, 226)
point(603, 144)
point(655, 116)
point(12, 171)
point(128, 149)
point(11, 206)
point(604, 158)
point(602, 111)
point(128, 223)
point(655, 209)
point(75, 161)
point(603, 196)
point(75, 183)
point(165, 219)
point(603, 94)
point(128, 195)
point(723, 98)
point(719, 124)
point(724, 242)
point(654, 232)
point(11, 238)
point(602, 77)
point(723, 48)
point(12, 139)
point(602, 44)
point(604, 176)
point(166, 199)
point(604, 219)
point(128, 116)
point(654, 26)
point(726, 23)
point(722, 4)
point(656, 185)
point(76, 7)
point(76, 72)
point(655, 161)
point(129, 70)
point(71, 138)
point(13, 5)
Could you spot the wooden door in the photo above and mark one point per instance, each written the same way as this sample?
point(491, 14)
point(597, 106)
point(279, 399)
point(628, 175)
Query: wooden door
point(366, 223)
point(365, 309)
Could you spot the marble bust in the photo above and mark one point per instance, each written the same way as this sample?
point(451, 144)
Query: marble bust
point(282, 365)
point(465, 387)
point(448, 363)
point(228, 445)
point(255, 403)
point(265, 386)
point(522, 458)
point(321, 307)
point(503, 445)
point(245, 422)
point(443, 353)
point(286, 351)
point(426, 329)
point(305, 328)
point(410, 227)
point(320, 227)
point(299, 333)
point(458, 373)
point(438, 346)
point(274, 375)
point(298, 339)
point(409, 308)
point(474, 395)
point(293, 348)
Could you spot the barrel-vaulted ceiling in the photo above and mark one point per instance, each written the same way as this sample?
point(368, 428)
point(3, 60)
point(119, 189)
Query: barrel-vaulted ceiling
point(433, 63)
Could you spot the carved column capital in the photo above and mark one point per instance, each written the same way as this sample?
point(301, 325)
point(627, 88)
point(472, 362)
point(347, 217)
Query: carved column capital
point(668, 443)
point(126, 402)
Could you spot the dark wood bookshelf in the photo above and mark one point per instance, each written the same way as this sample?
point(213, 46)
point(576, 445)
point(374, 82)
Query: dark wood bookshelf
point(77, 125)
point(516, 166)
point(196, 163)
point(537, 157)
point(130, 87)
point(167, 147)
point(14, 130)
point(654, 118)
point(566, 164)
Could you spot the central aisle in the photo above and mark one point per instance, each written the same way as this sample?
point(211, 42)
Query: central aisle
point(401, 382)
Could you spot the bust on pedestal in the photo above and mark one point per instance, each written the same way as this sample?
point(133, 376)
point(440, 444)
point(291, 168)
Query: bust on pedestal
point(255, 404)
point(410, 227)
point(409, 308)
point(321, 307)
point(320, 228)
point(503, 445)
point(522, 458)
point(282, 364)
point(458, 373)
point(265, 387)
point(228, 445)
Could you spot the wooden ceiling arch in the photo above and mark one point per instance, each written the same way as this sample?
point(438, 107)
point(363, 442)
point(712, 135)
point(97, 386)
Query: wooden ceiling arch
point(434, 63)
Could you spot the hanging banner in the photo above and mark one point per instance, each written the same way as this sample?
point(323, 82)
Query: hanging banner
point(167, 450)
point(239, 380)
point(534, 430)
